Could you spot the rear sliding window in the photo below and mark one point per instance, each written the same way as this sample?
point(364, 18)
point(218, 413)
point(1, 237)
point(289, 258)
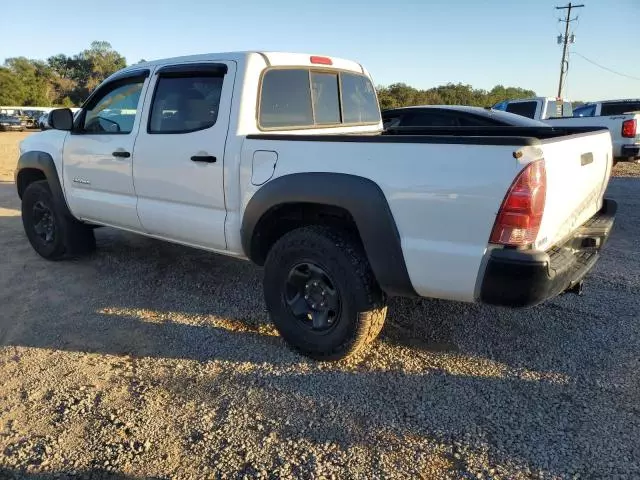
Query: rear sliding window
point(307, 98)
point(619, 108)
point(526, 109)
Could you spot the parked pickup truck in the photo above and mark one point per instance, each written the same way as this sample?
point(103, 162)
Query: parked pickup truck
point(280, 159)
point(607, 108)
point(623, 126)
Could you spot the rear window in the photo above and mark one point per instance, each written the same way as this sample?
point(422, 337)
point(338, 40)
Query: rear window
point(585, 111)
point(428, 119)
point(326, 97)
point(359, 101)
point(618, 108)
point(526, 109)
point(511, 119)
point(306, 98)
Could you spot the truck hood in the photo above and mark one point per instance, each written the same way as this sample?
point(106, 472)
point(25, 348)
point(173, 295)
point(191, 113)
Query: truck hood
point(48, 141)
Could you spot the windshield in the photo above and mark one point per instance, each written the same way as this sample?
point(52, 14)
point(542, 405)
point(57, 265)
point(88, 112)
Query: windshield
point(501, 106)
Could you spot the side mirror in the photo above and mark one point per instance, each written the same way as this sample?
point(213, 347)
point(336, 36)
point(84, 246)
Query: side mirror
point(61, 119)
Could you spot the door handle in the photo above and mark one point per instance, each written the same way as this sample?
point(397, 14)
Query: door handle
point(121, 154)
point(204, 158)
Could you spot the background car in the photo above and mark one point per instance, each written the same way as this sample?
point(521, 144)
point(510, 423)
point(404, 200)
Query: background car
point(453, 116)
point(11, 123)
point(32, 118)
point(24, 117)
point(607, 108)
point(43, 121)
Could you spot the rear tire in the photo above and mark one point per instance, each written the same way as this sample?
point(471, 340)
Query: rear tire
point(52, 234)
point(321, 293)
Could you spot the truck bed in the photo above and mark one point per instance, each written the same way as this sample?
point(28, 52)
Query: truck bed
point(454, 181)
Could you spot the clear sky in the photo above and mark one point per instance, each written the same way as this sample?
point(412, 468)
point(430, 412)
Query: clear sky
point(421, 43)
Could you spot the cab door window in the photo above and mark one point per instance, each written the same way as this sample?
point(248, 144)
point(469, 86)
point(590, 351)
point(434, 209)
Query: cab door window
point(186, 103)
point(114, 111)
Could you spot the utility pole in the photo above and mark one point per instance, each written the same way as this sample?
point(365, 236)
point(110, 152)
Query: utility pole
point(564, 65)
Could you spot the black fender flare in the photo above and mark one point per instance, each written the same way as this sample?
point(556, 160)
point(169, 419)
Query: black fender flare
point(42, 161)
point(361, 197)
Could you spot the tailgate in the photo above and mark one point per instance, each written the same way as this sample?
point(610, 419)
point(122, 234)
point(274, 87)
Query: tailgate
point(578, 169)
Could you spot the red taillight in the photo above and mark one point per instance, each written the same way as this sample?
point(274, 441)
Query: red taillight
point(629, 128)
point(520, 215)
point(321, 60)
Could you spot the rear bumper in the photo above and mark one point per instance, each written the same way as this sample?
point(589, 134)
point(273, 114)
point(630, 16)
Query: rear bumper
point(630, 151)
point(518, 278)
point(11, 128)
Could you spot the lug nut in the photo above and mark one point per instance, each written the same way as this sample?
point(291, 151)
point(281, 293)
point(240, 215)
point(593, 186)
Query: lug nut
point(306, 297)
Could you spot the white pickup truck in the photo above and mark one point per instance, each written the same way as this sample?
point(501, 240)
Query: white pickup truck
point(280, 159)
point(618, 116)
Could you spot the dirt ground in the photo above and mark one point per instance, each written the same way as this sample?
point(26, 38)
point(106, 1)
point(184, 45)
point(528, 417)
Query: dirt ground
point(151, 360)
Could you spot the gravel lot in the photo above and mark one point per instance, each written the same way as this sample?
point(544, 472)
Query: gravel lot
point(150, 360)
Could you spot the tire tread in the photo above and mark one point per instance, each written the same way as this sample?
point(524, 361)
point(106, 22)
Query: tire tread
point(76, 237)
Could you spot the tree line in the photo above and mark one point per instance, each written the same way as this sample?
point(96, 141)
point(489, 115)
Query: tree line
point(402, 95)
point(63, 80)
point(60, 80)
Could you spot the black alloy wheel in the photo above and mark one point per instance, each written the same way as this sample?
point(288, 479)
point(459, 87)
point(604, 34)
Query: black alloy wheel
point(312, 297)
point(43, 222)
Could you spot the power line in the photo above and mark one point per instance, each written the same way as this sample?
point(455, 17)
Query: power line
point(564, 64)
point(605, 68)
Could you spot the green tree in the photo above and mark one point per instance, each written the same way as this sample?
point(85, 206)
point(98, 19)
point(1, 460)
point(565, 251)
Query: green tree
point(66, 102)
point(11, 88)
point(75, 77)
point(101, 61)
point(34, 77)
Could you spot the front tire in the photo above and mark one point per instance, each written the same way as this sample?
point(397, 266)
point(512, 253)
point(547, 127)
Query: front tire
point(321, 293)
point(51, 233)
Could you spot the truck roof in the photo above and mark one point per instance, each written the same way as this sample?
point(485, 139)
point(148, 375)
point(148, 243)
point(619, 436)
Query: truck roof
point(553, 99)
point(622, 100)
point(531, 99)
point(270, 58)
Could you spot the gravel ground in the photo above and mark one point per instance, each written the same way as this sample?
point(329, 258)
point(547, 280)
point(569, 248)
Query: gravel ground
point(627, 169)
point(151, 360)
